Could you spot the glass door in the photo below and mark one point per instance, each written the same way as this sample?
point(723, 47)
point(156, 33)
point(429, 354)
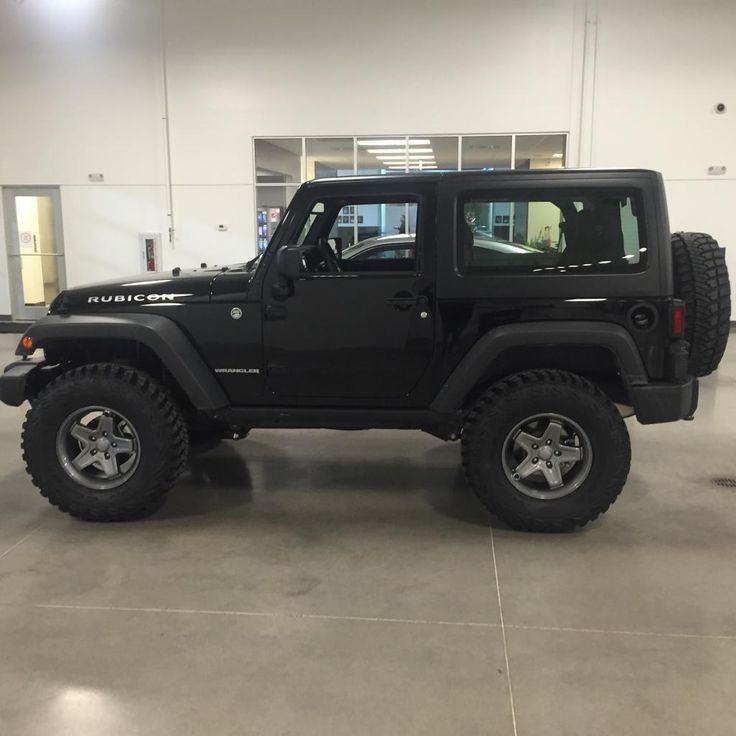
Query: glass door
point(35, 249)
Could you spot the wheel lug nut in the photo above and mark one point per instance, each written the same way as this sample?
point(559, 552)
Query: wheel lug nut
point(115, 444)
point(549, 464)
point(558, 453)
point(94, 452)
point(535, 459)
point(92, 438)
point(549, 442)
point(104, 434)
point(517, 476)
point(107, 456)
point(535, 447)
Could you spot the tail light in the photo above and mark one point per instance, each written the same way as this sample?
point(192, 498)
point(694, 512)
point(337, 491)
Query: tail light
point(677, 321)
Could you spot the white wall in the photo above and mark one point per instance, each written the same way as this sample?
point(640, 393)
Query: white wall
point(81, 86)
point(661, 68)
point(5, 307)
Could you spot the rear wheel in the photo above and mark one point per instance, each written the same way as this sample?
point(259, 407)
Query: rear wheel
point(104, 443)
point(546, 451)
point(701, 281)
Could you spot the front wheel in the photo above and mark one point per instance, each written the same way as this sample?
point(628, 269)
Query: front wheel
point(104, 443)
point(546, 451)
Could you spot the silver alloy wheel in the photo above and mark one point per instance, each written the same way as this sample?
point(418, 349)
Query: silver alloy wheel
point(547, 456)
point(98, 447)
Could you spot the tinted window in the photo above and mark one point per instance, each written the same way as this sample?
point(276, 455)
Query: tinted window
point(562, 232)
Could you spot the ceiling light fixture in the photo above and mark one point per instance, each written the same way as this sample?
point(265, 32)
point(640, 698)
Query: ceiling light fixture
point(394, 150)
point(404, 157)
point(556, 155)
point(394, 142)
point(423, 167)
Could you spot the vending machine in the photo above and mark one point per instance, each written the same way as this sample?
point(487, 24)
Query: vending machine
point(268, 220)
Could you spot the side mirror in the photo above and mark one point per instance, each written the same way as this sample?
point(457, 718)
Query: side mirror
point(289, 262)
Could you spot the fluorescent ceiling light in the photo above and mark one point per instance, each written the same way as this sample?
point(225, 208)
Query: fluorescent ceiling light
point(556, 155)
point(394, 142)
point(384, 142)
point(404, 157)
point(394, 150)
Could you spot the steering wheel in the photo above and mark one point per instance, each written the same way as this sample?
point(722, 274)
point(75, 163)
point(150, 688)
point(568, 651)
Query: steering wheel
point(328, 255)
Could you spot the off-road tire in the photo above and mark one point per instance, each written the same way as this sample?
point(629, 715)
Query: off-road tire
point(516, 397)
point(163, 438)
point(701, 281)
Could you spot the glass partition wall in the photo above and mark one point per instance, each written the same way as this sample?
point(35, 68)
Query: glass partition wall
point(282, 164)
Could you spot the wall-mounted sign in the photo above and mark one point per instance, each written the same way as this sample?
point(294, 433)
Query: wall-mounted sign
point(150, 244)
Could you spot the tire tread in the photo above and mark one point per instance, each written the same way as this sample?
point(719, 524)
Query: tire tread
point(170, 424)
point(500, 392)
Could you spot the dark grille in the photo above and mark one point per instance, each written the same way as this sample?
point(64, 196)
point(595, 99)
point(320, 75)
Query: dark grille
point(724, 482)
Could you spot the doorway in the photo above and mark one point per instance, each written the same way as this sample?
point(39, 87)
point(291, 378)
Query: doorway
point(36, 268)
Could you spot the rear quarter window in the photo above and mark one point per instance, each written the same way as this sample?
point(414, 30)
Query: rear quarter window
point(592, 231)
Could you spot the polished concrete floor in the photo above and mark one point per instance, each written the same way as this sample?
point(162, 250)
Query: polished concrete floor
point(320, 582)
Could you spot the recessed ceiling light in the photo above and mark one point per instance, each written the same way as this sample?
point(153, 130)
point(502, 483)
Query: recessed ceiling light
point(556, 155)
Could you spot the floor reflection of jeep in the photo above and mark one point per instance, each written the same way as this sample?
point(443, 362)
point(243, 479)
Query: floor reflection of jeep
point(524, 314)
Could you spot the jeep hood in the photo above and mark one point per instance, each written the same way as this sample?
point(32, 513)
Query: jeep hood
point(159, 288)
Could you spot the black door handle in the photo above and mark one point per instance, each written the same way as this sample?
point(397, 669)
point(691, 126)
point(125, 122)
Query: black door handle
point(406, 301)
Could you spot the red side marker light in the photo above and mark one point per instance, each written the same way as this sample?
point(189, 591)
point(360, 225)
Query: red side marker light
point(678, 320)
point(27, 342)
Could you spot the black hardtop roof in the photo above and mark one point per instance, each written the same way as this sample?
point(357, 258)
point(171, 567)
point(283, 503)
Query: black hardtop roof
point(429, 176)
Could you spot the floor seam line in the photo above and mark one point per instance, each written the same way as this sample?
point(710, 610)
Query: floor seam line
point(503, 634)
point(19, 542)
point(374, 619)
point(264, 614)
point(621, 632)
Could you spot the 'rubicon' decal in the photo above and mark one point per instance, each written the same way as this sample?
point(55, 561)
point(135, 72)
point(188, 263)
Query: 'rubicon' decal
point(106, 299)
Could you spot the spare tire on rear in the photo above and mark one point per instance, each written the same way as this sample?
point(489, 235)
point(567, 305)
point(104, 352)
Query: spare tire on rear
point(701, 281)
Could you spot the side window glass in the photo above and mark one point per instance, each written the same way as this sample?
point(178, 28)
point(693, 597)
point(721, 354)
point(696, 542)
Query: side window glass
point(364, 236)
point(595, 232)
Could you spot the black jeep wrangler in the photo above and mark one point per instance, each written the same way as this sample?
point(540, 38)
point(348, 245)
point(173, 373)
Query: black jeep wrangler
point(524, 313)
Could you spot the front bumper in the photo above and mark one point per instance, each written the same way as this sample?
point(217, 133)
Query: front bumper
point(665, 402)
point(14, 389)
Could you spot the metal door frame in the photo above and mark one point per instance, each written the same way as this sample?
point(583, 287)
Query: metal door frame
point(20, 311)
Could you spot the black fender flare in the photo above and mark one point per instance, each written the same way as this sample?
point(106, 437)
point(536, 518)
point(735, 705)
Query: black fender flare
point(480, 357)
point(162, 335)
